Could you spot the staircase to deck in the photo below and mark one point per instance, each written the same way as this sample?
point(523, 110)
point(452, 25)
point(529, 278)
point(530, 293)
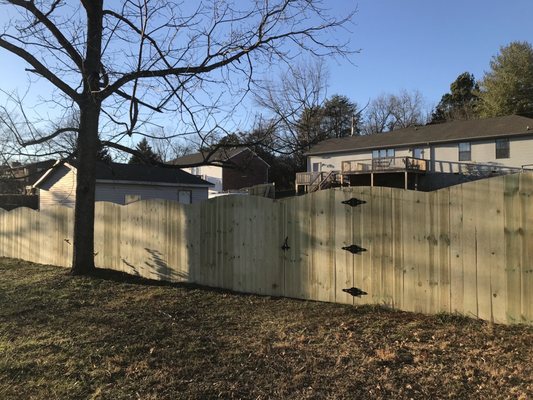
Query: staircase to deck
point(314, 181)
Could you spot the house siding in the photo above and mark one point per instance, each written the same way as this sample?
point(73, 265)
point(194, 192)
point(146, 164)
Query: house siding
point(250, 171)
point(116, 193)
point(209, 173)
point(483, 152)
point(60, 188)
point(334, 162)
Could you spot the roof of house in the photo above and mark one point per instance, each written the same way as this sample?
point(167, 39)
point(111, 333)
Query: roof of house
point(136, 173)
point(29, 173)
point(222, 154)
point(219, 156)
point(455, 131)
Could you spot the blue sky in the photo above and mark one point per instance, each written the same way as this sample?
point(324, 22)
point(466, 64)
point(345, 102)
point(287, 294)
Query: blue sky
point(425, 44)
point(405, 44)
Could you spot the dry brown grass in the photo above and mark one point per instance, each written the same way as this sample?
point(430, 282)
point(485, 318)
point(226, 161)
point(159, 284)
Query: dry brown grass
point(107, 337)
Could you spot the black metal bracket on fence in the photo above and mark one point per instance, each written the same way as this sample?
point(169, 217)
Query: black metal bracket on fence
point(354, 249)
point(285, 246)
point(353, 202)
point(355, 292)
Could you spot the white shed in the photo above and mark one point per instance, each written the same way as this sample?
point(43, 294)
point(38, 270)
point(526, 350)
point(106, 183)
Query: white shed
point(121, 184)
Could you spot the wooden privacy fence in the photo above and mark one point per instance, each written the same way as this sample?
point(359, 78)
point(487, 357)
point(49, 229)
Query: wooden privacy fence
point(465, 249)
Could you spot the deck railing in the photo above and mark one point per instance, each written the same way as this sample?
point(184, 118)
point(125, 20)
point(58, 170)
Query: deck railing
point(473, 169)
point(384, 164)
point(408, 164)
point(309, 178)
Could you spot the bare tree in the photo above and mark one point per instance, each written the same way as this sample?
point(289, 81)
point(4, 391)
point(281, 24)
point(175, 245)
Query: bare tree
point(121, 63)
point(389, 112)
point(169, 146)
point(378, 115)
point(293, 104)
point(408, 109)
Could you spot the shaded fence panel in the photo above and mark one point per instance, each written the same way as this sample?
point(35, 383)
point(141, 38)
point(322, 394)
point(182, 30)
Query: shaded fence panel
point(465, 249)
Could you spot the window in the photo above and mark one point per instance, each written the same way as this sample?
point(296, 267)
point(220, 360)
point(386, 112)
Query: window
point(383, 153)
point(464, 152)
point(185, 196)
point(316, 167)
point(502, 148)
point(418, 153)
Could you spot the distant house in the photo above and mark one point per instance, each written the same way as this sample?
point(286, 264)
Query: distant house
point(16, 182)
point(423, 157)
point(18, 178)
point(121, 184)
point(230, 169)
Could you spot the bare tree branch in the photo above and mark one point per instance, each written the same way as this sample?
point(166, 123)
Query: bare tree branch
point(43, 18)
point(39, 68)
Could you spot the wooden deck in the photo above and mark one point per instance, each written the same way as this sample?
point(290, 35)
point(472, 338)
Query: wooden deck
point(315, 180)
point(408, 166)
point(384, 165)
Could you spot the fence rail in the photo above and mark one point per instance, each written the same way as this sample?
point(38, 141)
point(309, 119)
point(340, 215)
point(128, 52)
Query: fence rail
point(465, 249)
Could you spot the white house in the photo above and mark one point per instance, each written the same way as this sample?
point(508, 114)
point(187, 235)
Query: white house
point(423, 157)
point(230, 168)
point(121, 184)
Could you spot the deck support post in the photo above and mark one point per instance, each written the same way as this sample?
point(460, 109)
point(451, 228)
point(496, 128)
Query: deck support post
point(405, 180)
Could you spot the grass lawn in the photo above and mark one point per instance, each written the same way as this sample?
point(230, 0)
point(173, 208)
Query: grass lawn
point(107, 337)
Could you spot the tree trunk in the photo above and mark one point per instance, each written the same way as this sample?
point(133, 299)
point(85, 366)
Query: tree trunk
point(83, 257)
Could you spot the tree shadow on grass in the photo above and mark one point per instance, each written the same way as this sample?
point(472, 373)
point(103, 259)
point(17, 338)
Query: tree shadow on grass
point(123, 277)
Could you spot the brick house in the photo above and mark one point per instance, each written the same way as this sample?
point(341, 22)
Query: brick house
point(229, 170)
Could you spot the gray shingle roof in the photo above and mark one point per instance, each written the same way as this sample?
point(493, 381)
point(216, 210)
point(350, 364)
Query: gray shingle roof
point(221, 154)
point(454, 131)
point(146, 173)
point(143, 173)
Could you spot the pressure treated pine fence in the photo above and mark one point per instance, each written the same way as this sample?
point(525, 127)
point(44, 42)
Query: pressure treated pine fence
point(465, 249)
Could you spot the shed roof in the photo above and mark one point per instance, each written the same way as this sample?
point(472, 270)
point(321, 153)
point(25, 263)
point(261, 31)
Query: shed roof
point(222, 154)
point(455, 131)
point(136, 173)
point(217, 158)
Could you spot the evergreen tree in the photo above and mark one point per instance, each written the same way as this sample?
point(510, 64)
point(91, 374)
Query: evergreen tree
point(462, 101)
point(148, 156)
point(508, 87)
point(338, 116)
point(331, 120)
point(102, 154)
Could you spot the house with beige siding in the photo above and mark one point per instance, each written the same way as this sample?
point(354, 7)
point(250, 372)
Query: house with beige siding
point(121, 184)
point(229, 169)
point(423, 157)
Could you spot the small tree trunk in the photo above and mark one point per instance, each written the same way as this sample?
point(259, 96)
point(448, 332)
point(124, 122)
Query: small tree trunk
point(83, 257)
